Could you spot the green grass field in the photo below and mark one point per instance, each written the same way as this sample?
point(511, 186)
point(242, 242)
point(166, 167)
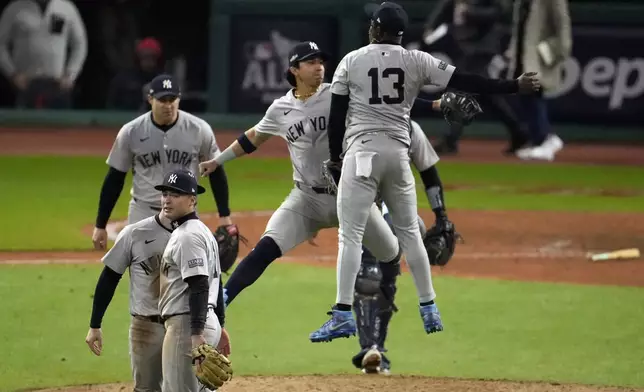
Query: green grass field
point(494, 329)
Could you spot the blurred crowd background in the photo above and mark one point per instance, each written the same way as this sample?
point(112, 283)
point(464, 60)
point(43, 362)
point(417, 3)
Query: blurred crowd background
point(229, 55)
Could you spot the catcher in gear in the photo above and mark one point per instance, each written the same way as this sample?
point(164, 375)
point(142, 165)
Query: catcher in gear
point(228, 238)
point(375, 287)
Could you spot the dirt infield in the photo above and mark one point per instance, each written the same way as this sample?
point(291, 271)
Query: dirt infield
point(362, 383)
point(518, 245)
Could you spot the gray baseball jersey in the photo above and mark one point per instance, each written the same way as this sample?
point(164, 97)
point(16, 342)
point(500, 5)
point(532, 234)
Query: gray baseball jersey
point(304, 127)
point(191, 251)
point(382, 82)
point(150, 152)
point(140, 247)
point(421, 152)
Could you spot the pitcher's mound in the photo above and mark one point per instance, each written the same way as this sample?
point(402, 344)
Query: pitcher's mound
point(363, 383)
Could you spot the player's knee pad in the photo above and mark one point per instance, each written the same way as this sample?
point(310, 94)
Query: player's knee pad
point(368, 279)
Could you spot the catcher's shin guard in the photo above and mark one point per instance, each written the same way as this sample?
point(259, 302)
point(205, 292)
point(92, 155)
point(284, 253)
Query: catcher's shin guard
point(374, 301)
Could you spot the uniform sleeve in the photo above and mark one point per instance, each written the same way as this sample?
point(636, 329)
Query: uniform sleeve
point(119, 257)
point(121, 154)
point(422, 153)
point(269, 124)
point(190, 255)
point(340, 82)
point(209, 148)
point(433, 71)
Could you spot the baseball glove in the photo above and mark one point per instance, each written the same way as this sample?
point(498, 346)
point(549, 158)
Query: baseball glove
point(214, 369)
point(331, 171)
point(459, 108)
point(440, 242)
point(228, 238)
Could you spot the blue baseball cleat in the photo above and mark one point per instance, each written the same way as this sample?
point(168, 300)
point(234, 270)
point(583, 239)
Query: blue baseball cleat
point(431, 318)
point(341, 325)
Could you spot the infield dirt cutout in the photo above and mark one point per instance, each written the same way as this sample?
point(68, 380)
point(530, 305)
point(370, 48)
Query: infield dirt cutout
point(515, 245)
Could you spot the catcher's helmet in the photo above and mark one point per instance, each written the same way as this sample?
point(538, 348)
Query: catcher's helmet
point(303, 51)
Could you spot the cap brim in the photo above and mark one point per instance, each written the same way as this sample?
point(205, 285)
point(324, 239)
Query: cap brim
point(371, 8)
point(162, 188)
point(162, 94)
point(319, 54)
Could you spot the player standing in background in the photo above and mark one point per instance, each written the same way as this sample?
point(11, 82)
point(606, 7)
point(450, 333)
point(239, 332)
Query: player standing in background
point(139, 247)
point(190, 300)
point(300, 118)
point(163, 139)
point(375, 287)
point(376, 86)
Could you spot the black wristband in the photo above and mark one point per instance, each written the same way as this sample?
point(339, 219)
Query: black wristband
point(103, 294)
point(246, 144)
point(434, 190)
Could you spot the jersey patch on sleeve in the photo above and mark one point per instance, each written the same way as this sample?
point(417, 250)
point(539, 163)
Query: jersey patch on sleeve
point(442, 65)
point(194, 263)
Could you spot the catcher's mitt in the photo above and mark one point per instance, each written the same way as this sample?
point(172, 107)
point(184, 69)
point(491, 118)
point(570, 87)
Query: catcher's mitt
point(228, 238)
point(214, 369)
point(440, 242)
point(459, 108)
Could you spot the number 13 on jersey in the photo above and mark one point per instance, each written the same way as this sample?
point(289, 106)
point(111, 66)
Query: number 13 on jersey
point(393, 76)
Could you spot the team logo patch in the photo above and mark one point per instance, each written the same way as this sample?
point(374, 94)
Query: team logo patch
point(442, 65)
point(195, 263)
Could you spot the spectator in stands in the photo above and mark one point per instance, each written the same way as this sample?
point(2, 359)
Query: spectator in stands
point(475, 26)
point(43, 46)
point(129, 88)
point(541, 42)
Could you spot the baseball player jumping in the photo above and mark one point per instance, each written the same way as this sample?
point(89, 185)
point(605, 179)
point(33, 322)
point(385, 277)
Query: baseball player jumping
point(139, 248)
point(190, 300)
point(376, 86)
point(163, 139)
point(300, 118)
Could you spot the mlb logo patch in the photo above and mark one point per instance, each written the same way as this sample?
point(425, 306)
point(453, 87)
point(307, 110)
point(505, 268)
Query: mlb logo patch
point(442, 65)
point(195, 263)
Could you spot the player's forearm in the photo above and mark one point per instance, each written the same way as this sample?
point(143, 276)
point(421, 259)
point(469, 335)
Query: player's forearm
point(198, 302)
point(434, 191)
point(105, 288)
point(247, 143)
point(219, 187)
point(337, 127)
point(472, 83)
point(110, 192)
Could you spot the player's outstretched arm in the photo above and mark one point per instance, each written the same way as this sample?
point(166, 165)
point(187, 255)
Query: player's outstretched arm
point(472, 83)
point(110, 192)
point(105, 288)
point(248, 142)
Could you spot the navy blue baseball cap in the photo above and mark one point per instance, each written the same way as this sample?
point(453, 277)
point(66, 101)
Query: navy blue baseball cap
point(303, 51)
point(391, 17)
point(181, 181)
point(164, 85)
